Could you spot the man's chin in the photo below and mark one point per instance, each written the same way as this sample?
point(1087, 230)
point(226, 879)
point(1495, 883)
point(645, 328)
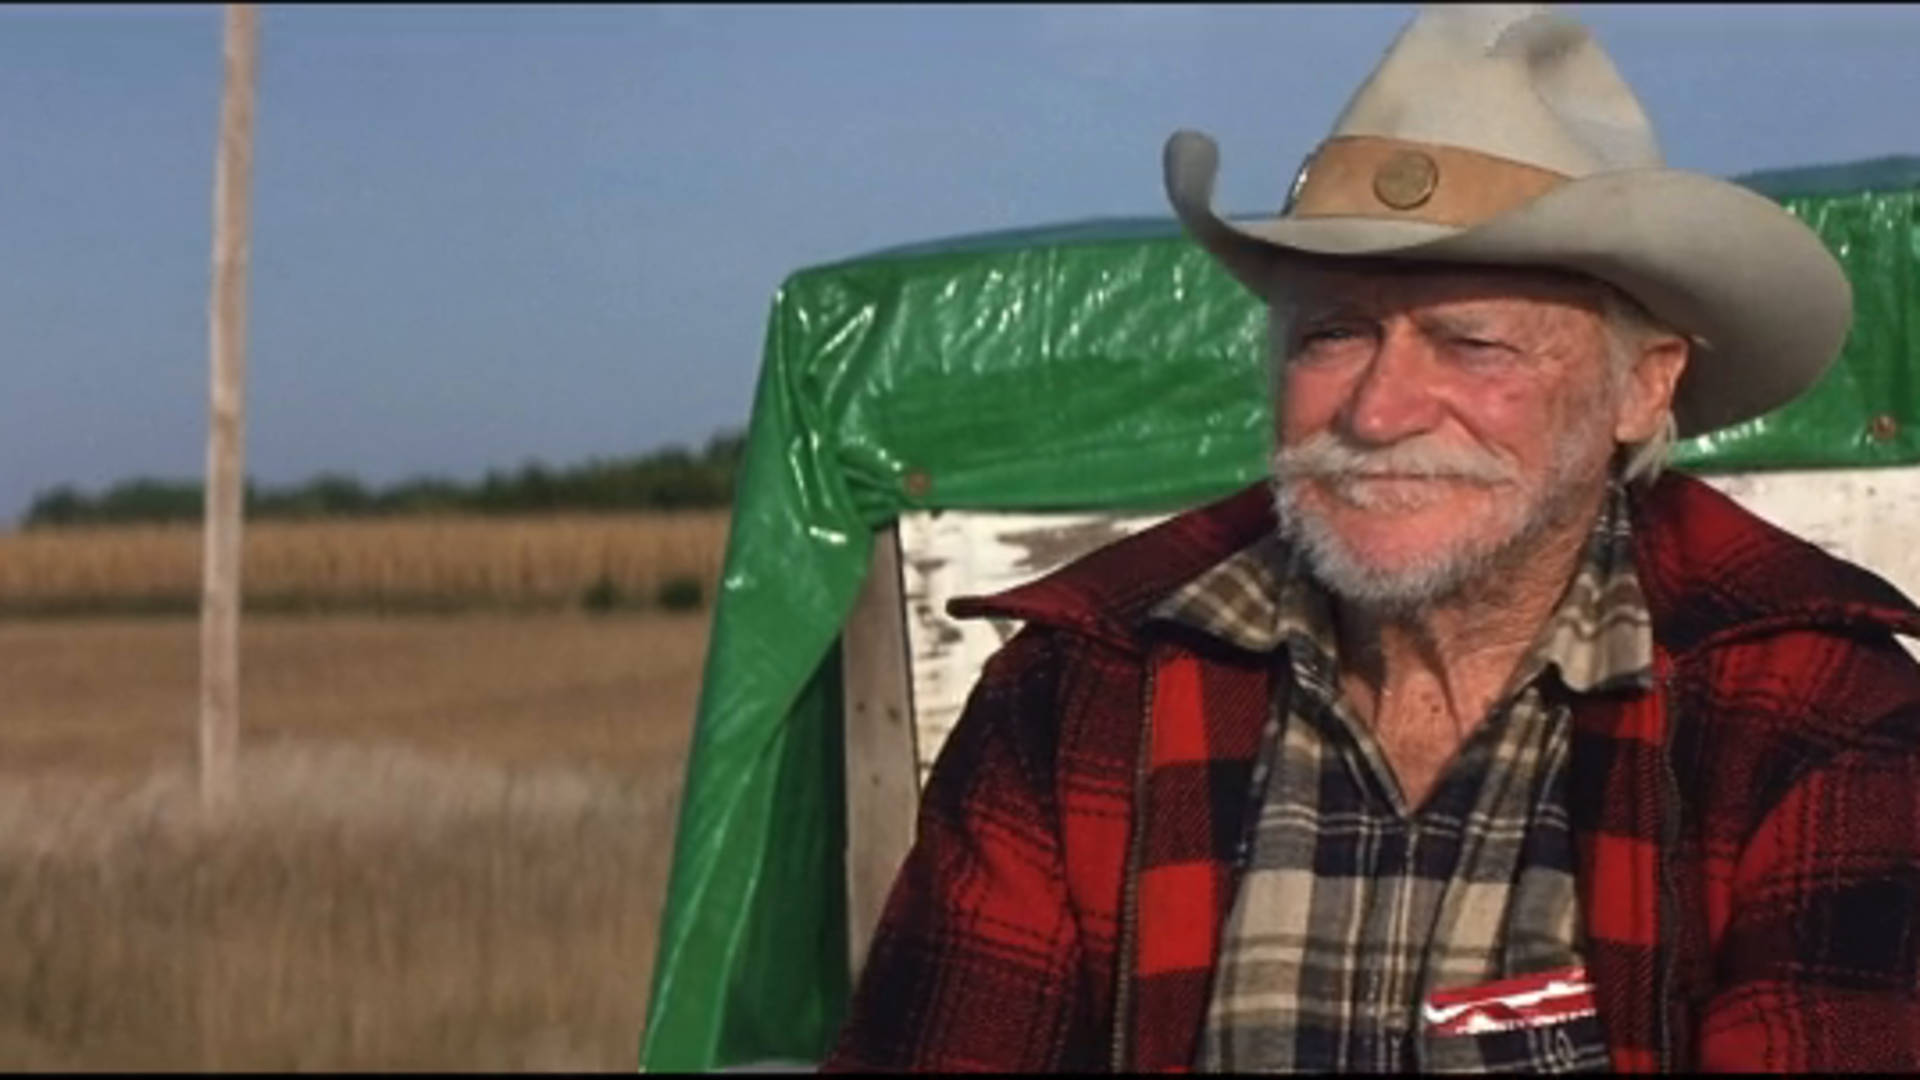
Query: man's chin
point(1398, 577)
point(1402, 584)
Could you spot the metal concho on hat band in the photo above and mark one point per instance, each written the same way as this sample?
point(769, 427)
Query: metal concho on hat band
point(1373, 176)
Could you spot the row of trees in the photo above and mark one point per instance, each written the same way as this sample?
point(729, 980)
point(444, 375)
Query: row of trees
point(673, 478)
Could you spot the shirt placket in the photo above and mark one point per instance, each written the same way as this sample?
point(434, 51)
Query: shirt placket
point(1377, 1041)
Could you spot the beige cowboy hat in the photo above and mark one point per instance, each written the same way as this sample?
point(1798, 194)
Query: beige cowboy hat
point(1502, 134)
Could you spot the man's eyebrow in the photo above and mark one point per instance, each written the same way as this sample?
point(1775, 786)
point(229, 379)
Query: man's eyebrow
point(1458, 324)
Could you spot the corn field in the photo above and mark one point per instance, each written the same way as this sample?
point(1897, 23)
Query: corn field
point(549, 561)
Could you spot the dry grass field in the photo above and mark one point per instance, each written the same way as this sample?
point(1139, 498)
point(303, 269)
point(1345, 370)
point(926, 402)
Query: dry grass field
point(448, 853)
point(394, 564)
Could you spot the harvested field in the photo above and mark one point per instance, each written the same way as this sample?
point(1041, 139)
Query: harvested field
point(412, 563)
point(449, 849)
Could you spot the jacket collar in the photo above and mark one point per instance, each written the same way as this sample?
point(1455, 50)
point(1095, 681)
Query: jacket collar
point(1110, 593)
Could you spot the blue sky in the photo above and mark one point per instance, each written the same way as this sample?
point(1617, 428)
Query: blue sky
point(489, 234)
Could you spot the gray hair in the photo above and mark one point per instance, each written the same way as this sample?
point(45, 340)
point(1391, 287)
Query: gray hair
point(1629, 326)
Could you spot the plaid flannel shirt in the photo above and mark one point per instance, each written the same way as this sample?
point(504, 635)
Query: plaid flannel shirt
point(1746, 831)
point(1352, 906)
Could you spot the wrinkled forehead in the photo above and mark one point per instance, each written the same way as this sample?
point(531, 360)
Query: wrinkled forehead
point(1303, 286)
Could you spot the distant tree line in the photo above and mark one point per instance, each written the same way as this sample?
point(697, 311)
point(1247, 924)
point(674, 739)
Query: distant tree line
point(673, 478)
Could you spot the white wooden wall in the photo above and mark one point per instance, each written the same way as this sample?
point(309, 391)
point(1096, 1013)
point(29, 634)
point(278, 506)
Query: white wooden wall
point(944, 555)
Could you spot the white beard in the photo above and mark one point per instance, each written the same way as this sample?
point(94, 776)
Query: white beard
point(1441, 575)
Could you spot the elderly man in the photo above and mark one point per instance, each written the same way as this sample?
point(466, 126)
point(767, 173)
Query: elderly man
point(1475, 743)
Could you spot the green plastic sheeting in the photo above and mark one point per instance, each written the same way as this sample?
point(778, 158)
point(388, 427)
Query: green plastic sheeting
point(1866, 411)
point(1108, 366)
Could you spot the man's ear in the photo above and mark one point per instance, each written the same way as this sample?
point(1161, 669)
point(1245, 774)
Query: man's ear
point(1648, 393)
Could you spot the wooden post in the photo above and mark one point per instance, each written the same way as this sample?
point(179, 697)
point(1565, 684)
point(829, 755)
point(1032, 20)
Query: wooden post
point(883, 784)
point(227, 314)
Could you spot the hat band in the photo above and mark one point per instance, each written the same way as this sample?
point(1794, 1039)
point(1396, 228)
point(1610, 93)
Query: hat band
point(1397, 179)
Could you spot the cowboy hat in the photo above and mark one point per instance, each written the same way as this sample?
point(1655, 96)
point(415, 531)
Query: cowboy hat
point(1502, 134)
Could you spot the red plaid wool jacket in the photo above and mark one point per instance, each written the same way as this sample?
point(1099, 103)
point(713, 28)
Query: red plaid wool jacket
point(1747, 832)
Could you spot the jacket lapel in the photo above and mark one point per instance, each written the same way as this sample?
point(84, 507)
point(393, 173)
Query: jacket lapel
point(1624, 820)
point(1204, 722)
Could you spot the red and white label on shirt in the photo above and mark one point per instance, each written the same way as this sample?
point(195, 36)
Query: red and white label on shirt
point(1544, 997)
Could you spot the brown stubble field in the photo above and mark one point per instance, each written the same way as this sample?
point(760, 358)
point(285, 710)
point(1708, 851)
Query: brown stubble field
point(449, 849)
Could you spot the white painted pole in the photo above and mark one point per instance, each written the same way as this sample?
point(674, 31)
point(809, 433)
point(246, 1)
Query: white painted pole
point(227, 314)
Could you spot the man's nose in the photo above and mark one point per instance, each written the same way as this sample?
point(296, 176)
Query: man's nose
point(1394, 397)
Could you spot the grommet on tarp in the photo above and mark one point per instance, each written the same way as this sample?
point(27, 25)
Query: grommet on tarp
point(917, 483)
point(1884, 427)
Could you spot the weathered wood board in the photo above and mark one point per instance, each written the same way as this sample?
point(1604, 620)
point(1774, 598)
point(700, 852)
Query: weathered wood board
point(944, 555)
point(882, 788)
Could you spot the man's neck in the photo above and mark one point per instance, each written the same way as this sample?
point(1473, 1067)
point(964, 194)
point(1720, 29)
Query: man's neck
point(1424, 679)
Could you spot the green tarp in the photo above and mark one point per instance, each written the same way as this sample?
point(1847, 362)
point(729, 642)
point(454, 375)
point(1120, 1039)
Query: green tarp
point(1106, 366)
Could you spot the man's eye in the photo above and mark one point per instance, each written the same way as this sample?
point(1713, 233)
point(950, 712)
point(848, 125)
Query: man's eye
point(1481, 349)
point(1328, 334)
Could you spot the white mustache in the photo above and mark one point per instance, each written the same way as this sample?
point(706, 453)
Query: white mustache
point(1326, 457)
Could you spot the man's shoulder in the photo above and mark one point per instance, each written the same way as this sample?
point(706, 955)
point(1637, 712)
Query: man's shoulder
point(1715, 573)
point(1108, 593)
point(1784, 654)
